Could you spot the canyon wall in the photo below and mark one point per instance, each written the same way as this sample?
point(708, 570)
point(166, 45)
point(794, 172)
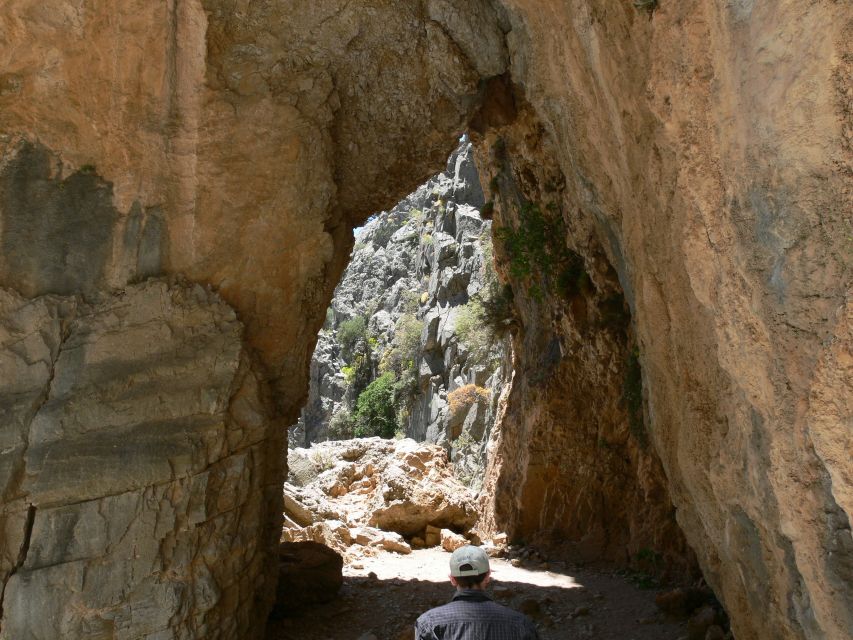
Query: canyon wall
point(178, 182)
point(226, 149)
point(697, 158)
point(410, 306)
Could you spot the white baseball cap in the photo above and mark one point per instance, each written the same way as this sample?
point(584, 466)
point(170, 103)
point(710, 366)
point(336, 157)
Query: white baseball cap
point(468, 561)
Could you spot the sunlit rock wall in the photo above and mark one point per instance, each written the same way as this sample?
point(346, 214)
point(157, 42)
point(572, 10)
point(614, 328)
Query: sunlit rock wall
point(227, 149)
point(706, 158)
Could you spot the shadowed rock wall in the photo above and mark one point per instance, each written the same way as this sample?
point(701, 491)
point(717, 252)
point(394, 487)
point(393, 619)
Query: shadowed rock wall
point(701, 157)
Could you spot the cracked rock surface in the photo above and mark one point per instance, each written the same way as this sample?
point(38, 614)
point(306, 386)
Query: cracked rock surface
point(136, 453)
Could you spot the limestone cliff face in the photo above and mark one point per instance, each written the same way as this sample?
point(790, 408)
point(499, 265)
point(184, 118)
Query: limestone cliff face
point(134, 474)
point(698, 159)
point(693, 159)
point(415, 281)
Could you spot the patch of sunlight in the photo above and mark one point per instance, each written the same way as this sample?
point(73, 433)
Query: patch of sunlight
point(431, 565)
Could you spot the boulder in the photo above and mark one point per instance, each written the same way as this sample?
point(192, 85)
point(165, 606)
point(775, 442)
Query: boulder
point(451, 541)
point(309, 573)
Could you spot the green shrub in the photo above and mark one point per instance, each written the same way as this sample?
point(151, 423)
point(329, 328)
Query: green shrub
point(498, 311)
point(375, 411)
point(350, 332)
point(404, 350)
point(473, 332)
point(539, 257)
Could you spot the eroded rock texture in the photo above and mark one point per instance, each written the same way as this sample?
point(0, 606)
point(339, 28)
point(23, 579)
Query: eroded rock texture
point(139, 498)
point(235, 146)
point(698, 159)
point(697, 162)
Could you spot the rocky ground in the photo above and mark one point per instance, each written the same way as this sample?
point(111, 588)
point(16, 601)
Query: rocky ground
point(382, 596)
point(389, 513)
point(367, 495)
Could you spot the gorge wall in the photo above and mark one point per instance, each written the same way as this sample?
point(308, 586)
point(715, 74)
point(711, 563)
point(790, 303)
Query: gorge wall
point(408, 321)
point(178, 182)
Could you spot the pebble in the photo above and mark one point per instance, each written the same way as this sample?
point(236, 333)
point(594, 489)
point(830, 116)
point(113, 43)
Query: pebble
point(515, 562)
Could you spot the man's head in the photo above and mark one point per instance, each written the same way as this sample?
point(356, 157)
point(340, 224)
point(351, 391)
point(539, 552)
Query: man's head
point(469, 568)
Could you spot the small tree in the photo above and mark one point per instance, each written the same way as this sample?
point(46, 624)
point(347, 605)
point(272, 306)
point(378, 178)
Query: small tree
point(375, 412)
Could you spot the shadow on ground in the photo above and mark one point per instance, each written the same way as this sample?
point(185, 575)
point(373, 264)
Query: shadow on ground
point(598, 605)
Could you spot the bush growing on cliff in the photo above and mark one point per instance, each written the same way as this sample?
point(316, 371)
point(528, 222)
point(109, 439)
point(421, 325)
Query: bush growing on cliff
point(538, 255)
point(461, 399)
point(473, 332)
point(350, 332)
point(375, 411)
point(403, 354)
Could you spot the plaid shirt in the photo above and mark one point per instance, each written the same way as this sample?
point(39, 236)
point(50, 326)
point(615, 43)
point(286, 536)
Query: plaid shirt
point(472, 615)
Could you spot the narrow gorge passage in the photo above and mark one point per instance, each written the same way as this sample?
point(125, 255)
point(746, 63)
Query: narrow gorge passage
point(409, 387)
point(669, 185)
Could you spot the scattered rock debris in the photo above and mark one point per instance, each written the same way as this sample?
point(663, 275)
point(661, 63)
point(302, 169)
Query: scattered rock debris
point(394, 512)
point(384, 593)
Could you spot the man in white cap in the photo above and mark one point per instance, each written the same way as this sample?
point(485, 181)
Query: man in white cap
point(471, 614)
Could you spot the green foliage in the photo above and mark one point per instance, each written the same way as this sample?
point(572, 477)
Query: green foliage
point(358, 246)
point(632, 395)
point(410, 302)
point(349, 374)
point(87, 168)
point(473, 332)
point(350, 332)
point(403, 352)
point(497, 312)
point(427, 239)
point(539, 257)
point(375, 411)
point(416, 215)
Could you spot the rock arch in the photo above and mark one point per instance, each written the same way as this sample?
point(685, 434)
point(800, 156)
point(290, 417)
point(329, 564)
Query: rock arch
point(178, 181)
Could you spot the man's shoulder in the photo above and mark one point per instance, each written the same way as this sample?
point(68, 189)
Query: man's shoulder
point(452, 609)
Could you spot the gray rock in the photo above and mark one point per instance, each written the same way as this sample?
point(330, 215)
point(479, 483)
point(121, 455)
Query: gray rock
point(424, 257)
